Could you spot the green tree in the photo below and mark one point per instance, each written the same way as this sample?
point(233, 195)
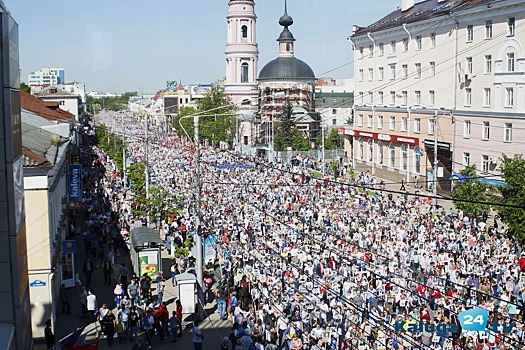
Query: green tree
point(470, 189)
point(513, 193)
point(218, 120)
point(333, 140)
point(137, 176)
point(284, 134)
point(26, 88)
point(299, 141)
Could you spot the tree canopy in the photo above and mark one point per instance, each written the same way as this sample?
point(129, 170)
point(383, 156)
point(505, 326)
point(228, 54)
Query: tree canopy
point(286, 134)
point(471, 188)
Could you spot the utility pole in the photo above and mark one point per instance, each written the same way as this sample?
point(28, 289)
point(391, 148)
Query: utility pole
point(434, 186)
point(323, 145)
point(123, 151)
point(198, 223)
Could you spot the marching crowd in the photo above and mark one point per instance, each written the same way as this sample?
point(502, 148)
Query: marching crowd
point(310, 263)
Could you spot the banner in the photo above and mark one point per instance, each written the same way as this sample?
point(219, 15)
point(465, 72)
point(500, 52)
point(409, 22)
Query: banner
point(75, 186)
point(210, 244)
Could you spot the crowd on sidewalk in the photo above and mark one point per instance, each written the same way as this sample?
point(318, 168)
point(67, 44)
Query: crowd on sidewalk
point(313, 263)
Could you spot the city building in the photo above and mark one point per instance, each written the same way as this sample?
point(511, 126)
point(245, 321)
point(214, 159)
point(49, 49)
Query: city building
point(15, 317)
point(282, 80)
point(419, 70)
point(242, 57)
point(46, 145)
point(47, 76)
point(334, 99)
point(69, 98)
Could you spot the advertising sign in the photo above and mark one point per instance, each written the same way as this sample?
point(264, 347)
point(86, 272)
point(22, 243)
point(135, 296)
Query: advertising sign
point(380, 137)
point(210, 244)
point(148, 262)
point(75, 186)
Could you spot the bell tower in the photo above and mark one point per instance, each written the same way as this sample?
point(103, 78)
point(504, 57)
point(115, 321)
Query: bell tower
point(242, 54)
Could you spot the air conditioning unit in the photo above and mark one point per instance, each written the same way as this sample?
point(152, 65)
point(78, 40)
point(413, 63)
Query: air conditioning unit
point(468, 76)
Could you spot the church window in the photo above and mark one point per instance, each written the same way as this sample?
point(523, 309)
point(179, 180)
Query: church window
point(244, 32)
point(244, 72)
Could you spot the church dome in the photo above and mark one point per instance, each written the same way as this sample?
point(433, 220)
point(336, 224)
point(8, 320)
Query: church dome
point(286, 68)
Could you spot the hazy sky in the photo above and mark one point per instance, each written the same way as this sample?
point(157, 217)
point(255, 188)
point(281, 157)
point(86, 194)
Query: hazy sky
point(125, 45)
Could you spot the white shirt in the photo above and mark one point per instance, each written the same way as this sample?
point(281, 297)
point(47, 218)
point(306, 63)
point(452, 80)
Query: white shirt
point(91, 302)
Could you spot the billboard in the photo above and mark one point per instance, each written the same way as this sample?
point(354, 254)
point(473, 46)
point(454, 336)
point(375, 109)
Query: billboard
point(75, 186)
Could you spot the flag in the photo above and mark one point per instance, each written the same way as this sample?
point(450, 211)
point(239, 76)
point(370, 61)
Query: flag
point(69, 341)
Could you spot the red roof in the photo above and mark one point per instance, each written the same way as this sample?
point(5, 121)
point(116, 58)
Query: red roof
point(47, 109)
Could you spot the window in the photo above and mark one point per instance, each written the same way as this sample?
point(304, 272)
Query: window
point(392, 71)
point(244, 72)
point(431, 97)
point(380, 156)
point(417, 160)
point(370, 97)
point(405, 44)
point(432, 69)
point(509, 100)
point(431, 126)
point(419, 42)
point(380, 122)
point(511, 26)
point(244, 32)
point(486, 97)
point(404, 123)
point(486, 131)
point(361, 149)
point(508, 132)
point(392, 97)
point(370, 150)
point(245, 138)
point(469, 65)
point(334, 111)
point(485, 163)
point(361, 74)
point(404, 157)
point(417, 125)
point(392, 123)
point(361, 97)
point(418, 97)
point(510, 62)
point(393, 47)
point(360, 120)
point(370, 121)
point(361, 52)
point(381, 98)
point(466, 159)
point(432, 40)
point(405, 71)
point(470, 33)
point(405, 98)
point(488, 64)
point(392, 159)
point(370, 74)
point(371, 51)
point(381, 49)
point(468, 96)
point(467, 128)
point(488, 29)
point(418, 70)
point(334, 121)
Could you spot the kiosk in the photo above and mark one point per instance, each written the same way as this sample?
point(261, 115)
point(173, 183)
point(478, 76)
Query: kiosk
point(187, 284)
point(145, 251)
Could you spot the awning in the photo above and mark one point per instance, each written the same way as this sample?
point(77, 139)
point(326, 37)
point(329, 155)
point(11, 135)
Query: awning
point(143, 237)
point(489, 182)
point(458, 177)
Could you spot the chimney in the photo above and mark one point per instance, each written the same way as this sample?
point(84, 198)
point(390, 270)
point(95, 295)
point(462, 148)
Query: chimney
point(406, 5)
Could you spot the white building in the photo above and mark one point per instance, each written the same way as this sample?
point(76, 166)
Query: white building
point(426, 69)
point(46, 76)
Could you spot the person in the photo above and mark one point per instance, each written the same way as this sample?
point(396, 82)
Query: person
point(175, 326)
point(139, 344)
point(83, 301)
point(179, 315)
point(107, 269)
point(145, 286)
point(64, 299)
point(403, 188)
point(118, 292)
point(133, 292)
point(148, 322)
point(49, 336)
point(133, 321)
point(88, 270)
point(198, 337)
point(109, 326)
point(174, 272)
point(91, 305)
point(123, 274)
point(160, 290)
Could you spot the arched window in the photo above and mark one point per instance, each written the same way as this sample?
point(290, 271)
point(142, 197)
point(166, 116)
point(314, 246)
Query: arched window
point(244, 72)
point(392, 150)
point(244, 32)
point(361, 149)
point(404, 157)
point(288, 47)
point(370, 150)
point(334, 111)
point(417, 160)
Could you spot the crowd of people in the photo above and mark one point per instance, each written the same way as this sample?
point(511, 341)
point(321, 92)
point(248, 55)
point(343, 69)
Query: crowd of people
point(318, 263)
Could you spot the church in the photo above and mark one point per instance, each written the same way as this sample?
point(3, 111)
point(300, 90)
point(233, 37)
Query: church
point(261, 99)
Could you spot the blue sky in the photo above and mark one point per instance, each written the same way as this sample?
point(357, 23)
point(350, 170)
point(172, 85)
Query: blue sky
point(125, 45)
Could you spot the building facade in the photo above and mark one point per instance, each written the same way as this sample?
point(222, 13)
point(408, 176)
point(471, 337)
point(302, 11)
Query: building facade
point(47, 76)
point(424, 69)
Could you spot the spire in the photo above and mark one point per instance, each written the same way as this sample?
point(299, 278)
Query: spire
point(285, 19)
